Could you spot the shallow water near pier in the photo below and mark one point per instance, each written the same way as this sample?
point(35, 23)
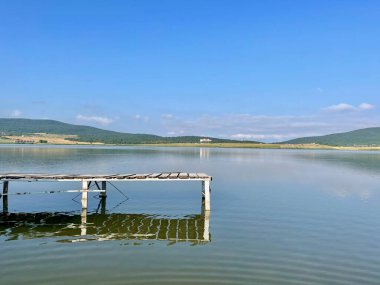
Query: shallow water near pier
point(277, 217)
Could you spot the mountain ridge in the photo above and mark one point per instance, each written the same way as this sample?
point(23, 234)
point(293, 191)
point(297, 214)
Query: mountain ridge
point(23, 126)
point(87, 134)
point(359, 137)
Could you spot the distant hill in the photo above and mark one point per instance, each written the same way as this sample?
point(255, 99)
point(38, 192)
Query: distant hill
point(362, 137)
point(89, 134)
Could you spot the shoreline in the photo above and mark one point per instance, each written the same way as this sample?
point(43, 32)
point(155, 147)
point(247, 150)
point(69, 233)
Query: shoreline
point(212, 145)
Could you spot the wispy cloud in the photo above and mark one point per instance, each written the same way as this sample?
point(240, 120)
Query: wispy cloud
point(168, 117)
point(366, 106)
point(95, 119)
point(176, 133)
point(271, 128)
point(344, 107)
point(139, 117)
point(267, 128)
point(15, 113)
point(258, 137)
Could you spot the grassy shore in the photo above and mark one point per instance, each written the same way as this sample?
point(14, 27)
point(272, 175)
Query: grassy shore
point(44, 139)
point(50, 139)
point(268, 146)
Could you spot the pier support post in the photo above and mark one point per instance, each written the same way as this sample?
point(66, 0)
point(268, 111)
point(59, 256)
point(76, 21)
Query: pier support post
point(84, 194)
point(206, 223)
point(103, 196)
point(5, 196)
point(83, 224)
point(206, 194)
point(104, 187)
point(103, 206)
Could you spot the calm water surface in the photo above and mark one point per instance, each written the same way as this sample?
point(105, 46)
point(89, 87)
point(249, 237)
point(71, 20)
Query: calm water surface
point(277, 217)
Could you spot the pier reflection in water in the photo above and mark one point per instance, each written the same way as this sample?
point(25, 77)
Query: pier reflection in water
point(70, 227)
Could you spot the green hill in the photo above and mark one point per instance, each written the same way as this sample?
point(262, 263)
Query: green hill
point(89, 134)
point(362, 137)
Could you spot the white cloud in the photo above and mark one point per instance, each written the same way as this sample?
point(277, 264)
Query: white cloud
point(168, 117)
point(343, 107)
point(15, 114)
point(270, 128)
point(95, 119)
point(141, 118)
point(258, 137)
point(366, 106)
point(176, 133)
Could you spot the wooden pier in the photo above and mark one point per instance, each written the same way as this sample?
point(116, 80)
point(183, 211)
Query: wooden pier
point(100, 181)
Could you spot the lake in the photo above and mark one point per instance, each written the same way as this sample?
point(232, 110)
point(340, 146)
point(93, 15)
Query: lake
point(277, 217)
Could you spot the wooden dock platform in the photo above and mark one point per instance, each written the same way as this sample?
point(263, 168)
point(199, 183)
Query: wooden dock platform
point(101, 181)
point(105, 177)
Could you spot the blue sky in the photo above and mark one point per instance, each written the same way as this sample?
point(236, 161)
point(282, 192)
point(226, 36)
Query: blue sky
point(265, 70)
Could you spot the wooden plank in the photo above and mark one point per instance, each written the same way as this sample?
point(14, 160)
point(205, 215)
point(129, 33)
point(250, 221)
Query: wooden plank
point(173, 175)
point(142, 176)
point(69, 177)
point(125, 176)
point(138, 176)
point(183, 175)
point(3, 176)
point(18, 176)
point(30, 176)
point(164, 175)
point(203, 175)
point(84, 176)
point(154, 175)
point(112, 176)
point(99, 176)
point(134, 176)
point(55, 176)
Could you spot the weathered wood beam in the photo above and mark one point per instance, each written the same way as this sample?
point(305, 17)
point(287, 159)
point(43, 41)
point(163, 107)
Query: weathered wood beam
point(104, 187)
point(85, 186)
point(5, 196)
point(206, 193)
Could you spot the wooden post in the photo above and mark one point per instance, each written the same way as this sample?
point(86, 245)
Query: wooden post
point(5, 187)
point(5, 196)
point(83, 225)
point(84, 194)
point(206, 193)
point(103, 196)
point(104, 187)
point(103, 206)
point(206, 223)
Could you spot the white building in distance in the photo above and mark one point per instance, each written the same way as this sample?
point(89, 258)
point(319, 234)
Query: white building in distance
point(205, 140)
